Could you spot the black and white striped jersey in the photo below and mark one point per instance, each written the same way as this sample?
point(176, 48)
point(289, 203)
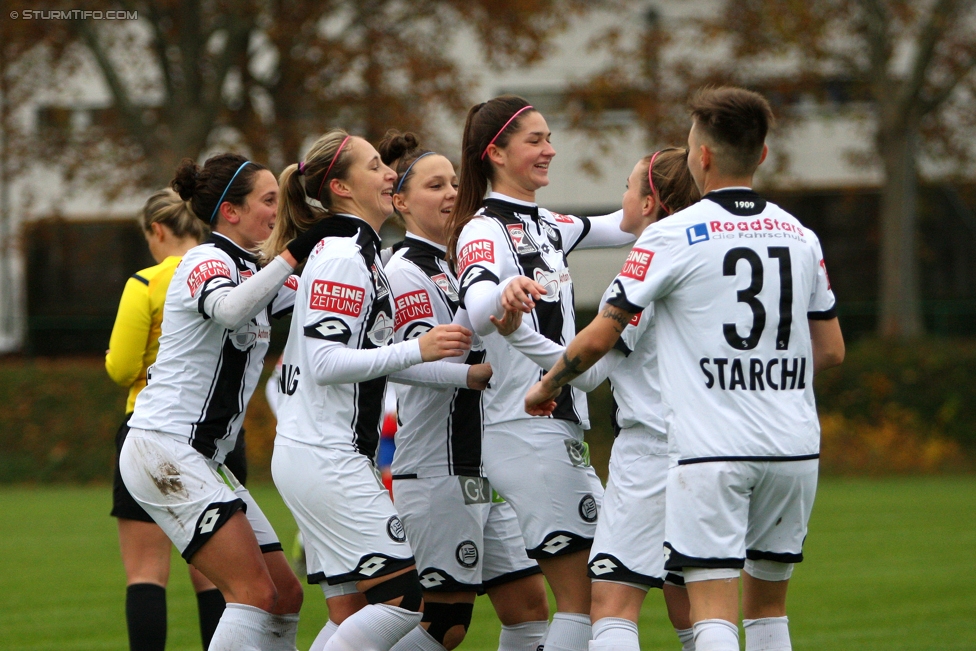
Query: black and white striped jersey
point(440, 429)
point(204, 374)
point(344, 305)
point(514, 238)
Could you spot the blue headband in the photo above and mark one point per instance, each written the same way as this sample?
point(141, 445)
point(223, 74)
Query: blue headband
point(221, 200)
point(410, 167)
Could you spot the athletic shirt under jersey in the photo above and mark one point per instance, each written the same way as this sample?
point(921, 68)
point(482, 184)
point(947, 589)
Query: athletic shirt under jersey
point(439, 430)
point(514, 238)
point(344, 297)
point(734, 279)
point(204, 374)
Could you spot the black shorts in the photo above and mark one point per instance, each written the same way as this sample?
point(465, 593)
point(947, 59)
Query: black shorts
point(123, 504)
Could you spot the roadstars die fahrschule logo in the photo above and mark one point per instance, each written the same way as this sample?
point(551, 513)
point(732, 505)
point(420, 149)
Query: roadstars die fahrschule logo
point(697, 233)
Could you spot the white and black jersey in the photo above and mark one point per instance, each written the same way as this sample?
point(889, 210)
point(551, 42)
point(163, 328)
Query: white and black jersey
point(204, 375)
point(734, 280)
point(439, 429)
point(634, 381)
point(512, 238)
point(344, 304)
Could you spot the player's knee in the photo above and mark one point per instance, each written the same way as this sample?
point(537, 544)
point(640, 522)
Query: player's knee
point(448, 623)
point(402, 590)
point(290, 595)
point(524, 600)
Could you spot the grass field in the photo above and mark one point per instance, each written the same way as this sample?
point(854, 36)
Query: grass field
point(891, 564)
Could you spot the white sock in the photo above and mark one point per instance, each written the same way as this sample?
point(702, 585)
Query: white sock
point(687, 638)
point(283, 630)
point(527, 636)
point(327, 631)
point(614, 634)
point(242, 628)
point(418, 640)
point(767, 634)
point(377, 627)
point(716, 635)
point(569, 632)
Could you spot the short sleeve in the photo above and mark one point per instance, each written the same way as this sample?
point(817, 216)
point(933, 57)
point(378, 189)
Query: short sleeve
point(479, 251)
point(649, 273)
point(203, 270)
point(337, 293)
point(823, 304)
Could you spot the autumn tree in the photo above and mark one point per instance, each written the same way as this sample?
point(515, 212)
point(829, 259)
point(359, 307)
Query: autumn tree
point(912, 60)
point(264, 75)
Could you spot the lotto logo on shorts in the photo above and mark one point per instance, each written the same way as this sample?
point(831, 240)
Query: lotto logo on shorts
point(578, 451)
point(476, 251)
point(637, 263)
point(336, 297)
point(467, 554)
point(204, 272)
point(412, 306)
point(697, 233)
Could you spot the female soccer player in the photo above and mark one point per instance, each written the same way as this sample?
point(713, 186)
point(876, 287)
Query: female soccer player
point(627, 556)
point(463, 541)
point(334, 372)
point(508, 251)
point(215, 333)
point(170, 230)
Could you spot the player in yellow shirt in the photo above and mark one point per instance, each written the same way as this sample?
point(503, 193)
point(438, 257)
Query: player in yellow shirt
point(171, 230)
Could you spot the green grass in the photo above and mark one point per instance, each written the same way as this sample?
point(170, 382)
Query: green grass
point(889, 566)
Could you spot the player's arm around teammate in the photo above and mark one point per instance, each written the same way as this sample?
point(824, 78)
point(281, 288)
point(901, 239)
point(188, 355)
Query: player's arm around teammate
point(215, 333)
point(463, 541)
point(744, 489)
point(334, 372)
point(170, 230)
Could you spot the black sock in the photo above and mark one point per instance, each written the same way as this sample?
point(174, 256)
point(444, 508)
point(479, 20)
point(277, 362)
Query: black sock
point(145, 614)
point(211, 605)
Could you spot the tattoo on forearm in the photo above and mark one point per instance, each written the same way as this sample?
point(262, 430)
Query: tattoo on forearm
point(571, 369)
point(617, 318)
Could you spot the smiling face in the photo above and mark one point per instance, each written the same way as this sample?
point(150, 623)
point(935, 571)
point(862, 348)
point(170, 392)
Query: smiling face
point(640, 210)
point(367, 190)
point(522, 165)
point(426, 199)
point(251, 224)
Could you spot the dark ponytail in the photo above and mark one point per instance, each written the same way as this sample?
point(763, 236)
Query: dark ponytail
point(485, 122)
point(202, 187)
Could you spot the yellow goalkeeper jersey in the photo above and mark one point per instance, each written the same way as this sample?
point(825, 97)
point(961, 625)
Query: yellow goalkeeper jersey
point(135, 335)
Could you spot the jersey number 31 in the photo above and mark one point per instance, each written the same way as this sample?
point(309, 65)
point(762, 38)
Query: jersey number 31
point(749, 297)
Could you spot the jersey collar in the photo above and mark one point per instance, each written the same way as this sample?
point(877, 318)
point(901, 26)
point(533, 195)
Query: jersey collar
point(360, 224)
point(231, 248)
point(424, 240)
point(511, 206)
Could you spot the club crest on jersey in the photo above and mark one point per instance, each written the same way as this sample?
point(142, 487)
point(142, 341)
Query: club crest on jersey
point(382, 330)
point(467, 554)
point(379, 282)
point(476, 251)
point(412, 306)
point(245, 273)
point(636, 264)
point(442, 281)
point(520, 239)
point(549, 280)
point(395, 530)
point(588, 510)
point(204, 272)
point(336, 297)
point(697, 233)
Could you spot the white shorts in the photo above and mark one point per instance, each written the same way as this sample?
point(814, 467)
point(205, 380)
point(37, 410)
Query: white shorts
point(462, 540)
point(721, 512)
point(629, 543)
point(350, 528)
point(541, 467)
point(189, 496)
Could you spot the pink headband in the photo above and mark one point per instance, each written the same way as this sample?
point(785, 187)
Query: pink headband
point(650, 179)
point(318, 195)
point(515, 115)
